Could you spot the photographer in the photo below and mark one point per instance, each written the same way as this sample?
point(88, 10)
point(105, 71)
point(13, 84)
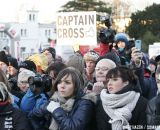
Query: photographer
point(35, 97)
point(106, 36)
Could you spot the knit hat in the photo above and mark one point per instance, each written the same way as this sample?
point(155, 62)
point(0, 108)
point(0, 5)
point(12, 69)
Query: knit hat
point(27, 64)
point(3, 57)
point(121, 37)
point(91, 56)
point(51, 50)
point(24, 75)
point(13, 62)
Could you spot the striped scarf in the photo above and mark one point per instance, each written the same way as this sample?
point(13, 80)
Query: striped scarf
point(119, 108)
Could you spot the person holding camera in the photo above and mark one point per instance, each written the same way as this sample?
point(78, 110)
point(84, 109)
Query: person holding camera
point(35, 97)
point(68, 106)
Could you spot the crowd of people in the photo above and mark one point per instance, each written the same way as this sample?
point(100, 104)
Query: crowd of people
point(117, 89)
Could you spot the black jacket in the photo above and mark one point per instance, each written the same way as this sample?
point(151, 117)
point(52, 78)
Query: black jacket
point(153, 111)
point(12, 119)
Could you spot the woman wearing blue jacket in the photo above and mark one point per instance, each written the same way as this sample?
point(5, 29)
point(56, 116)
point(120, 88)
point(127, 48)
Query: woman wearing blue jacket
point(69, 107)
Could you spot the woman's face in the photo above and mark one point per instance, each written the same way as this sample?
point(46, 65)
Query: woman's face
point(66, 87)
point(114, 85)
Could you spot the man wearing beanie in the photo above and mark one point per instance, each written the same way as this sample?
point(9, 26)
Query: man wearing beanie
point(50, 53)
point(3, 62)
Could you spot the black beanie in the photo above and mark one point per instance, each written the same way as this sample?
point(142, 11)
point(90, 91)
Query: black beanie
point(13, 62)
point(51, 50)
point(27, 64)
point(3, 57)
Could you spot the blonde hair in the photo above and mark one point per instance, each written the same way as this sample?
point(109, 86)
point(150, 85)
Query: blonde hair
point(3, 78)
point(5, 94)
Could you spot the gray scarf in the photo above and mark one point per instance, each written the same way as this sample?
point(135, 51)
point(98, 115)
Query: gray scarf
point(119, 107)
point(68, 104)
point(65, 104)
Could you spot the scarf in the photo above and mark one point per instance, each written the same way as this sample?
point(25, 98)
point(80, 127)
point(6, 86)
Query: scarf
point(119, 108)
point(65, 104)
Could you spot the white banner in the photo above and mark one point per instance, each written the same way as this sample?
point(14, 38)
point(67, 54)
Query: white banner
point(76, 28)
point(154, 50)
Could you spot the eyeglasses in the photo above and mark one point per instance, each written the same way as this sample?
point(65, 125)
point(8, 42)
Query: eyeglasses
point(101, 68)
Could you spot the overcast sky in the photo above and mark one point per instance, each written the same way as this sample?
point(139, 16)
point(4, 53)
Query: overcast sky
point(13, 10)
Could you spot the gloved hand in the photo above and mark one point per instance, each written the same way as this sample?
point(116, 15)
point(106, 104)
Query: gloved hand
point(52, 106)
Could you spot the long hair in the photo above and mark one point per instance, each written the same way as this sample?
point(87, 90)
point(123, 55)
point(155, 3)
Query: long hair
point(4, 93)
point(3, 78)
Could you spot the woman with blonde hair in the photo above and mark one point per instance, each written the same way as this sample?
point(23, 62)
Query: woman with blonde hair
point(11, 118)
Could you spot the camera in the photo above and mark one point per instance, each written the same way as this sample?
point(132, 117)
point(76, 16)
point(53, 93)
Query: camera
point(107, 34)
point(41, 81)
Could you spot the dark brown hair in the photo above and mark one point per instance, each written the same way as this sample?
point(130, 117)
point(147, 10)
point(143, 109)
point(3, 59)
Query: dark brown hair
point(77, 79)
point(123, 72)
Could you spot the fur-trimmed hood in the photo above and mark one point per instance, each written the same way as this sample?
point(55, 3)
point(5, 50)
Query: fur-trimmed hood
point(90, 96)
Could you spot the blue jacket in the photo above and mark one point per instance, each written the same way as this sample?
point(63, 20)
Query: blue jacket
point(30, 102)
point(31, 105)
point(81, 116)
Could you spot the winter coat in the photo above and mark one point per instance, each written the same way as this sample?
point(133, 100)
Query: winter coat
point(150, 87)
point(153, 111)
point(81, 117)
point(31, 105)
point(13, 119)
point(138, 116)
point(30, 101)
